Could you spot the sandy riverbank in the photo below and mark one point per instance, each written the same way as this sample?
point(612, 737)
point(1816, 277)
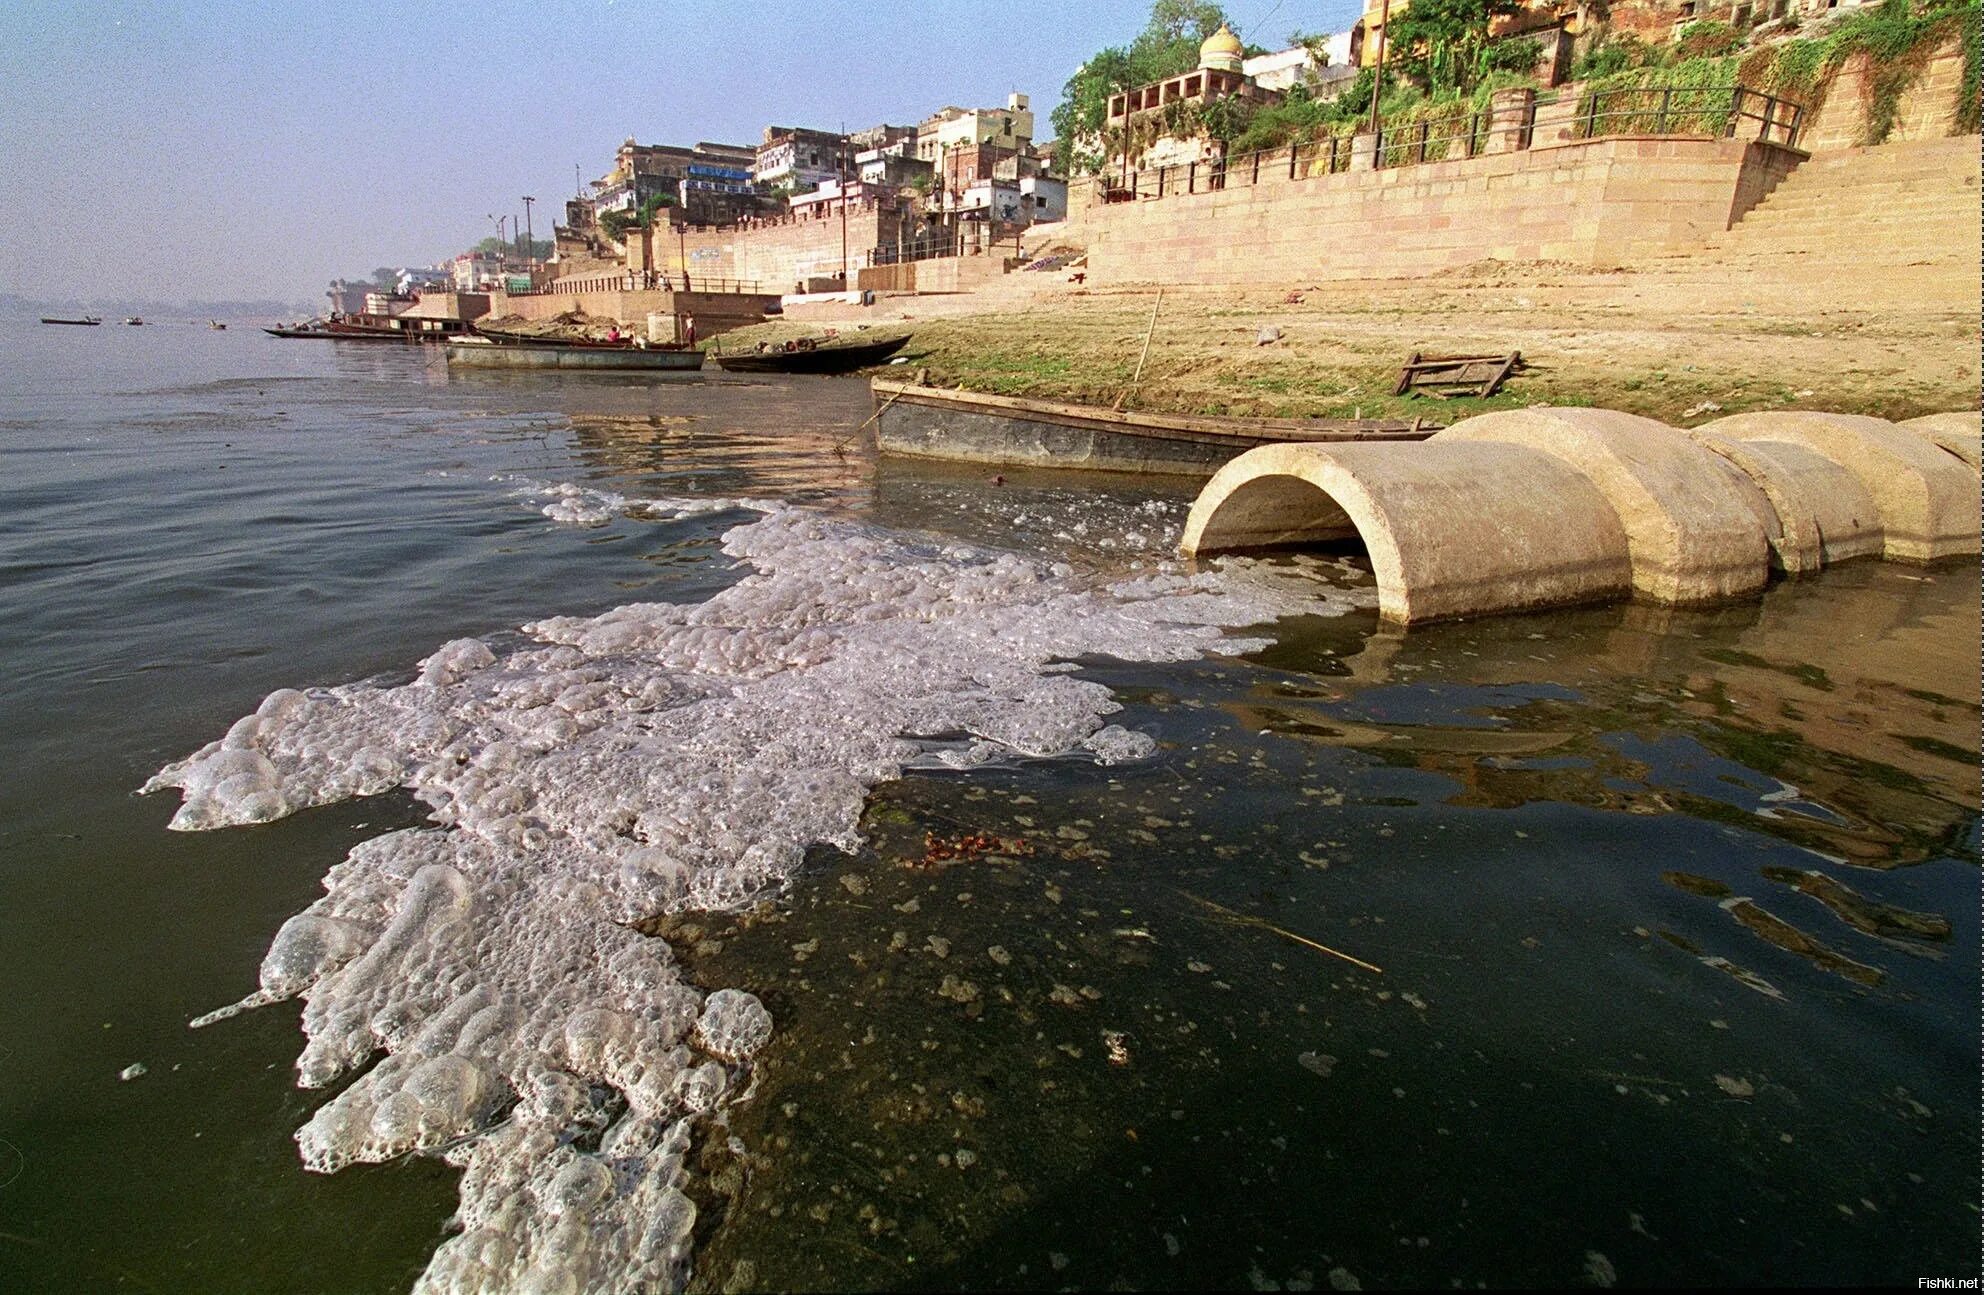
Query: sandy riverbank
point(1658, 343)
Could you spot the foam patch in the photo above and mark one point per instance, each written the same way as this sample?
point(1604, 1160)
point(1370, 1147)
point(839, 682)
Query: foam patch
point(656, 758)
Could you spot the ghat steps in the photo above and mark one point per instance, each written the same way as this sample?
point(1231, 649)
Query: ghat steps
point(1845, 220)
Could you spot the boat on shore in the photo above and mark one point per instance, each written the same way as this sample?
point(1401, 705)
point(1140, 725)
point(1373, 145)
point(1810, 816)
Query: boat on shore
point(87, 321)
point(975, 427)
point(551, 353)
point(808, 356)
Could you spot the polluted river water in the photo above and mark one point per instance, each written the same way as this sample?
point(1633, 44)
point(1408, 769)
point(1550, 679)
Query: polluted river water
point(677, 848)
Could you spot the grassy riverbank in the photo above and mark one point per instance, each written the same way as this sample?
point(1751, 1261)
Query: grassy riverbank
point(1640, 342)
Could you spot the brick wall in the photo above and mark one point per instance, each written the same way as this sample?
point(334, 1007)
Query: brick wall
point(1600, 203)
point(1927, 110)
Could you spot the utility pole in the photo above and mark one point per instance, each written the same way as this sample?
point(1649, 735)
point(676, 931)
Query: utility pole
point(1378, 80)
point(840, 167)
point(530, 238)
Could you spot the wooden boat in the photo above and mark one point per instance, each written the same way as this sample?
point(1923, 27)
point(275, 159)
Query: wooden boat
point(485, 353)
point(319, 330)
point(134, 321)
point(502, 338)
point(87, 321)
point(834, 357)
point(973, 427)
point(216, 325)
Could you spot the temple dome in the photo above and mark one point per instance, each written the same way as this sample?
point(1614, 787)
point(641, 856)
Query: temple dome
point(1222, 50)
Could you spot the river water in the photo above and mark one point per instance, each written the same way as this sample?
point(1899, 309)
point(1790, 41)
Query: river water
point(1664, 925)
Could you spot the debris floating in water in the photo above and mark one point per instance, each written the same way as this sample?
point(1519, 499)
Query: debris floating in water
point(654, 759)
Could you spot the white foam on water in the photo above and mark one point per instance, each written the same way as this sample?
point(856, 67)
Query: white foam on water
point(570, 504)
point(656, 758)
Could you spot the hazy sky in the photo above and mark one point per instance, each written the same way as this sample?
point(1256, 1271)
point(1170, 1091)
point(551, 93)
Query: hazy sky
point(220, 149)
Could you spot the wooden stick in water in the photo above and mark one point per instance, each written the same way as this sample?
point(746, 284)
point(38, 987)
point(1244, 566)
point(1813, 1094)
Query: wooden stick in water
point(1250, 920)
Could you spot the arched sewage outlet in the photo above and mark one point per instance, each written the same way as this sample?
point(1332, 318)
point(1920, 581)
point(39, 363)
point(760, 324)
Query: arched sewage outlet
point(1696, 524)
point(1926, 497)
point(1454, 530)
point(1962, 434)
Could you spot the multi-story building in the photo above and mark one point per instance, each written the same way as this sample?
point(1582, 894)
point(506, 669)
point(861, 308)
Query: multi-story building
point(796, 159)
point(900, 140)
point(1008, 127)
point(880, 166)
point(710, 182)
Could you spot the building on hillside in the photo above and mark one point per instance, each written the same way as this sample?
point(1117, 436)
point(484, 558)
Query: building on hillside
point(885, 167)
point(1136, 118)
point(1661, 20)
point(1324, 67)
point(797, 159)
point(833, 195)
point(1008, 127)
point(1043, 199)
point(899, 141)
point(710, 182)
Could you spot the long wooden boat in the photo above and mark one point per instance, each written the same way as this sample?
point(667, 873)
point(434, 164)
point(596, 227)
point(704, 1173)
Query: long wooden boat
point(481, 353)
point(974, 427)
point(327, 333)
point(87, 321)
point(834, 357)
point(502, 338)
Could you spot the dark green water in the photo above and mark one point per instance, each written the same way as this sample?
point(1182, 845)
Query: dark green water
point(1583, 1054)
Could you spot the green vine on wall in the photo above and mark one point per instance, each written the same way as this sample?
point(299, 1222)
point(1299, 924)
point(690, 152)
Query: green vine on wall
point(1896, 39)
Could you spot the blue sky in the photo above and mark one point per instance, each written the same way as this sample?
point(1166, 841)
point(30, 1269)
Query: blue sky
point(228, 149)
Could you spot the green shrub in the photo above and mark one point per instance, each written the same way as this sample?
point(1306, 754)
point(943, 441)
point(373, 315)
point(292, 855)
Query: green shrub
point(1706, 39)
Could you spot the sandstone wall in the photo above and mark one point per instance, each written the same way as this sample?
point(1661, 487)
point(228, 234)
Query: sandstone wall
point(1600, 203)
point(1927, 109)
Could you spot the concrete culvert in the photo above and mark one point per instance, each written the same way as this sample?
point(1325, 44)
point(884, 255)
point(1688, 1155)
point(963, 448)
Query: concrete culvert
point(1452, 530)
point(1820, 513)
point(1926, 497)
point(1695, 523)
point(1959, 433)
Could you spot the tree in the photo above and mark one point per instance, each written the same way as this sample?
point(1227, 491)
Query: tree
point(537, 247)
point(1167, 46)
point(1449, 39)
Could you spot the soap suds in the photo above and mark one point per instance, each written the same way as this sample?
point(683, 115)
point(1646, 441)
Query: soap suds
point(656, 758)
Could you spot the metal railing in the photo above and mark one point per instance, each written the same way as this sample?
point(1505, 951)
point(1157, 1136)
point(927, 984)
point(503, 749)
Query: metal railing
point(1326, 156)
point(1660, 110)
point(1441, 139)
point(1688, 110)
point(641, 281)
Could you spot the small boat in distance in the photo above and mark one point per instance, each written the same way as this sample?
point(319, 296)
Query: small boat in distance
point(134, 321)
point(976, 427)
point(87, 321)
point(216, 325)
point(806, 355)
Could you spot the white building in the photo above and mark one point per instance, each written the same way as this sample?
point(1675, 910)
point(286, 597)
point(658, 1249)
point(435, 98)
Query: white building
point(1043, 199)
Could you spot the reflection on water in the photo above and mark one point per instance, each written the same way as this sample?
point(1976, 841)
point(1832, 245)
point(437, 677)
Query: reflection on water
point(1678, 950)
point(1676, 911)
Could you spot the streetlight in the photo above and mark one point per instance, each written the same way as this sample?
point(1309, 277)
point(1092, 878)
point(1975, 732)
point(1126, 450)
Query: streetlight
point(530, 238)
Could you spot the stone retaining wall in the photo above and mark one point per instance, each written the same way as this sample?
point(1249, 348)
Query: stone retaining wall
point(1598, 203)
